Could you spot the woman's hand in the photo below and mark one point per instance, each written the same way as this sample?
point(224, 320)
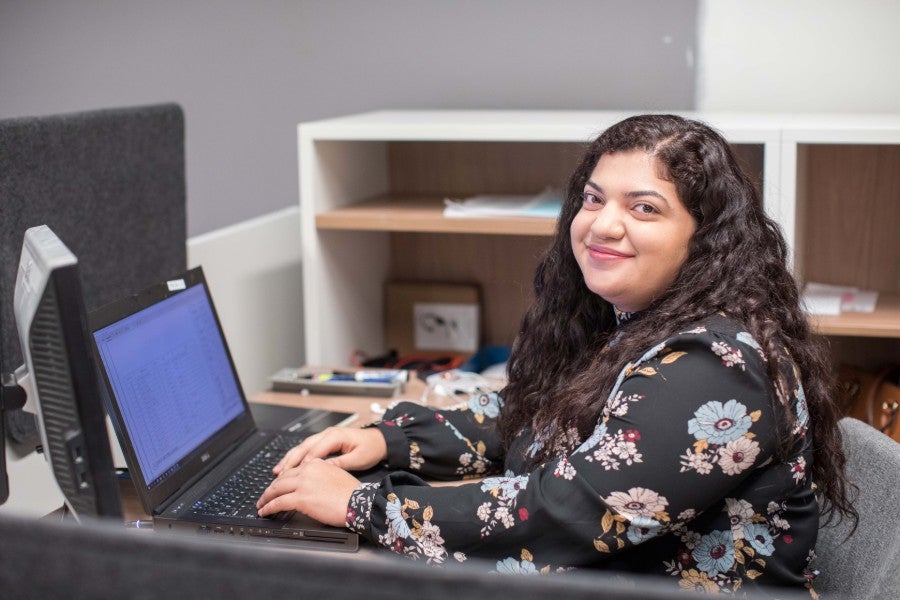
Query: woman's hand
point(359, 449)
point(316, 488)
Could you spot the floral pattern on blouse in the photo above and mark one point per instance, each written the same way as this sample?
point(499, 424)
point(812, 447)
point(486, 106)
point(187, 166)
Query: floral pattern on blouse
point(723, 438)
point(680, 477)
point(501, 511)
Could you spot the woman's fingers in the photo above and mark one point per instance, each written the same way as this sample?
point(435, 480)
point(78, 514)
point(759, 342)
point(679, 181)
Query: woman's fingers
point(356, 449)
point(318, 445)
point(277, 496)
point(315, 488)
point(291, 458)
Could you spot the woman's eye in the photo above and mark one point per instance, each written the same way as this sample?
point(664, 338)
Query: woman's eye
point(645, 209)
point(590, 201)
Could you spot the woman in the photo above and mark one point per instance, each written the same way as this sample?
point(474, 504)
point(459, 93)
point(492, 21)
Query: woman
point(664, 395)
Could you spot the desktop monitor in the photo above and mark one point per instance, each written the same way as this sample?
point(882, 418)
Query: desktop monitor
point(50, 317)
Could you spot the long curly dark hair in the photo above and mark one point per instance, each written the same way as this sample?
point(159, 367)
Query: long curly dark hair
point(561, 362)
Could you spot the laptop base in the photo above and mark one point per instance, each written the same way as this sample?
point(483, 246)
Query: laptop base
point(287, 536)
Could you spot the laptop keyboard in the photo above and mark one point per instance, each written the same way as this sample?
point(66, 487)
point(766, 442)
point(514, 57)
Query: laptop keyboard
point(237, 495)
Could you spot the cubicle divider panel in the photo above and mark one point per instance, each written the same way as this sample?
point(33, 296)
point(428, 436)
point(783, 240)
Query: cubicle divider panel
point(111, 185)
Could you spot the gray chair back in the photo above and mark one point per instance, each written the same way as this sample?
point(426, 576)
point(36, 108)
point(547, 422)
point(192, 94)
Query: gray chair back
point(867, 564)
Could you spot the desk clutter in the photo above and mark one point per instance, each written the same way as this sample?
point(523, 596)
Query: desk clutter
point(433, 332)
point(365, 382)
point(449, 380)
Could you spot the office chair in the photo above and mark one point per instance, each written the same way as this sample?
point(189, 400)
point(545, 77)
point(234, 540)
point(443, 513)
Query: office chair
point(867, 564)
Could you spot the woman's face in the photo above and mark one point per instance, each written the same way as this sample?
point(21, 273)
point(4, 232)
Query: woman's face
point(631, 235)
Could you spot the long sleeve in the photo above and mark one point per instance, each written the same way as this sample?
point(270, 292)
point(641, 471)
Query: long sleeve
point(688, 429)
point(445, 444)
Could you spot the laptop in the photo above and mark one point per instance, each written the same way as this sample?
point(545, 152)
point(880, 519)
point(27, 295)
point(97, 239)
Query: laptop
point(188, 434)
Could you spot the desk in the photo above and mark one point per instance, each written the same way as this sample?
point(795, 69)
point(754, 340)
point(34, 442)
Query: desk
point(358, 405)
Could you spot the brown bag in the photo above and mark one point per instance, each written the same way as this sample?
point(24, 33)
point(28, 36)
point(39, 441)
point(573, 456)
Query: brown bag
point(873, 398)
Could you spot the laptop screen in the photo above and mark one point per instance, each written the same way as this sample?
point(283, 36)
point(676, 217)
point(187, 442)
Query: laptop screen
point(172, 379)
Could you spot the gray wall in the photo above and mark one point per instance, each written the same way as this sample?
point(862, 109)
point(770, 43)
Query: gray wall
point(246, 72)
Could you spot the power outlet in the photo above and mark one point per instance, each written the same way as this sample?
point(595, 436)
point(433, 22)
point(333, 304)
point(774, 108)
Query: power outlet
point(439, 326)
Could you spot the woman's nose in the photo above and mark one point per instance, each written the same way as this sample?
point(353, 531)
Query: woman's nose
point(609, 223)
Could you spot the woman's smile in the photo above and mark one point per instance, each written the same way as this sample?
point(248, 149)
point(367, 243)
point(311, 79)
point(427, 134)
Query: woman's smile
point(605, 254)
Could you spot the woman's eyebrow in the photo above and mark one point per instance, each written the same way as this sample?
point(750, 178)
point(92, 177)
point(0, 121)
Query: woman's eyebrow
point(639, 193)
point(634, 194)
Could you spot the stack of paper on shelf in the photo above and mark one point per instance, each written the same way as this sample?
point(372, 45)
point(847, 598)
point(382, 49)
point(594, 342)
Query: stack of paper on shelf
point(825, 299)
point(545, 204)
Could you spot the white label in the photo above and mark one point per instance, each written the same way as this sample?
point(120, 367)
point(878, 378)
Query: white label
point(176, 285)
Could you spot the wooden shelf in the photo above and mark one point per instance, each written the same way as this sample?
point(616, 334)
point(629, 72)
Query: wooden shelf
point(425, 214)
point(884, 322)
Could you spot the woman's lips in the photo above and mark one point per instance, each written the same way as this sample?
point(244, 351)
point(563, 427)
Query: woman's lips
point(604, 253)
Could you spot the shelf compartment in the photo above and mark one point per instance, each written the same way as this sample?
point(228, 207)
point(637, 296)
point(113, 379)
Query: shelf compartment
point(425, 214)
point(502, 266)
point(848, 215)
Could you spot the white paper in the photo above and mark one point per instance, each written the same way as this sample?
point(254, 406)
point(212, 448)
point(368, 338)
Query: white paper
point(827, 288)
point(861, 301)
point(822, 303)
point(546, 204)
point(827, 299)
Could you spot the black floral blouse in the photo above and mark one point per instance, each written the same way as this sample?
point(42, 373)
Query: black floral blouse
point(679, 478)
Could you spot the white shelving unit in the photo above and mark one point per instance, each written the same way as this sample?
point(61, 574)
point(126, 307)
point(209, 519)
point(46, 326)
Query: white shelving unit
point(372, 185)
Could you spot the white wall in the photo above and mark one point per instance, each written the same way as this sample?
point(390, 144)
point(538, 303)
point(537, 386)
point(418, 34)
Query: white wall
point(254, 275)
point(32, 489)
point(799, 56)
